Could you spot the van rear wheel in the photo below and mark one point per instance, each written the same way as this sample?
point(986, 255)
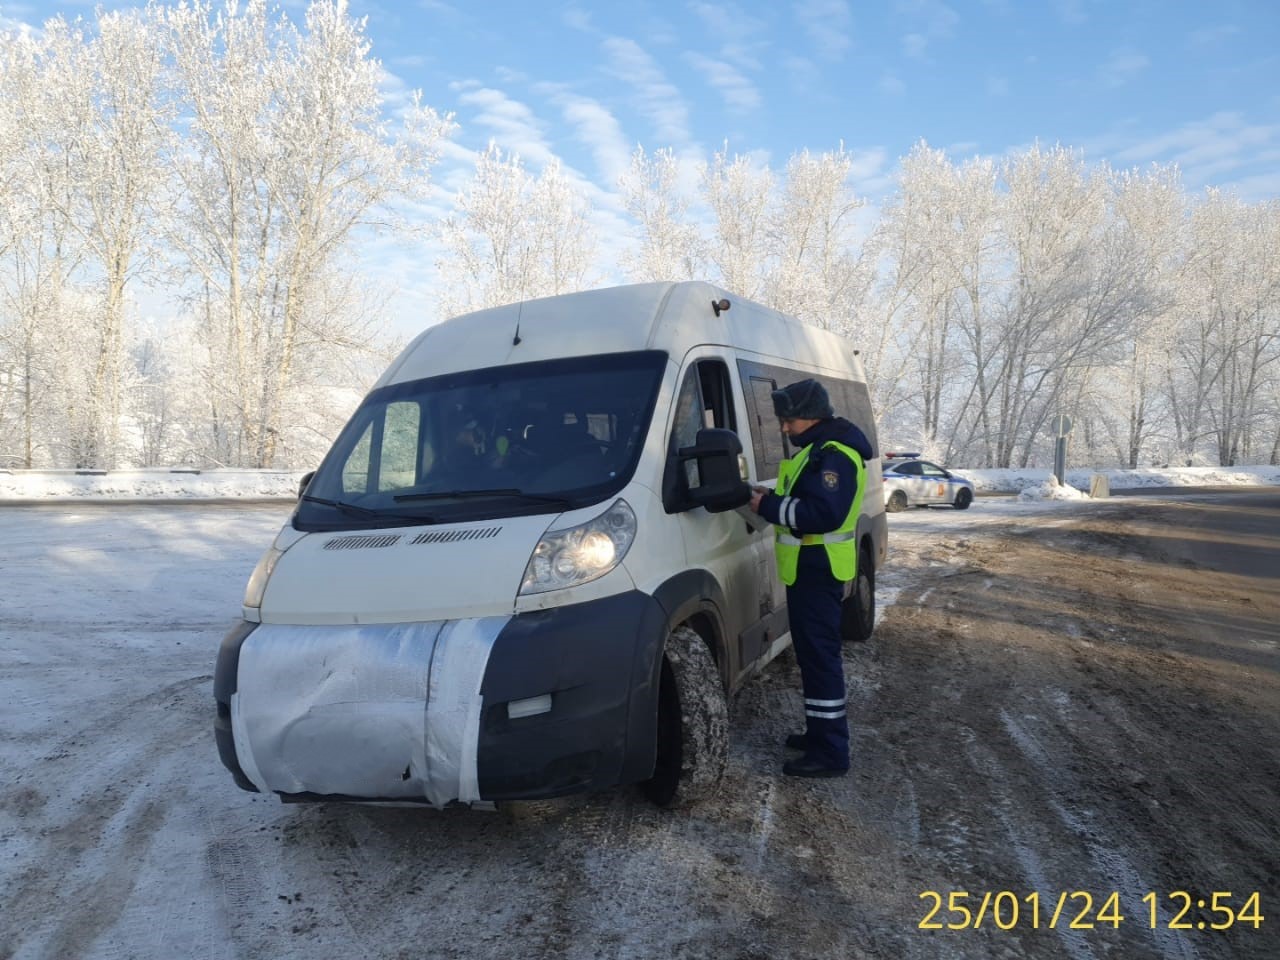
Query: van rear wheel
point(858, 612)
point(693, 723)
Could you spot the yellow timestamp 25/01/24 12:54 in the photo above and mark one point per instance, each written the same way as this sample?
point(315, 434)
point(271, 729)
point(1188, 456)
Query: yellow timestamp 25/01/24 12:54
point(1080, 910)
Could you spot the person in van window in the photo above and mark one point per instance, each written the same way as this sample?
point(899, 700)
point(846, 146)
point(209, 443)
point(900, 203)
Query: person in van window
point(815, 511)
point(475, 449)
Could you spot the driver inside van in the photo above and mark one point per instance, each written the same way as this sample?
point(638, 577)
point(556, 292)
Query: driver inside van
point(472, 443)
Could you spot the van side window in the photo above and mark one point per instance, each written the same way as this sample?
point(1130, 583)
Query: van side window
point(850, 399)
point(355, 471)
point(400, 446)
point(717, 395)
point(705, 400)
point(770, 446)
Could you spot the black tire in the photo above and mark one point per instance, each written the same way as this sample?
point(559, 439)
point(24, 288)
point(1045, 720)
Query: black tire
point(858, 612)
point(693, 724)
point(897, 502)
point(964, 497)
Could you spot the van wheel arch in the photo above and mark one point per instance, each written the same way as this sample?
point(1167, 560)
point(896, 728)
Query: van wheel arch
point(694, 598)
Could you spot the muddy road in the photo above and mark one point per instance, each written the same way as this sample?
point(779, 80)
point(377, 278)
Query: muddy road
point(1060, 700)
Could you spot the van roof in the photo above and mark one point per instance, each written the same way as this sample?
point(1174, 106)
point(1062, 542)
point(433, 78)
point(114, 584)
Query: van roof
point(646, 316)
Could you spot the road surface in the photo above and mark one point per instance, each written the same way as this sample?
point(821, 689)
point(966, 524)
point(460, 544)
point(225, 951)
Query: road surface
point(1060, 700)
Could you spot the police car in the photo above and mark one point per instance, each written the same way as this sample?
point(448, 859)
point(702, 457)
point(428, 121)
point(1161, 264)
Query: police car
point(912, 482)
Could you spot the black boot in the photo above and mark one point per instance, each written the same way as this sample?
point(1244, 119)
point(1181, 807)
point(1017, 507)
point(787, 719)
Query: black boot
point(808, 767)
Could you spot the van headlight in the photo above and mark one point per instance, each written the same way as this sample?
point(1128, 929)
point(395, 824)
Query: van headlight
point(257, 585)
point(566, 558)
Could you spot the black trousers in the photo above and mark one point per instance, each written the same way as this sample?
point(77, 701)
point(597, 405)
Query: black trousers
point(813, 605)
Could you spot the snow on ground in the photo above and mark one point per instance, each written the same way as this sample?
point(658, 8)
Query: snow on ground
point(177, 484)
point(1016, 480)
point(110, 619)
point(158, 483)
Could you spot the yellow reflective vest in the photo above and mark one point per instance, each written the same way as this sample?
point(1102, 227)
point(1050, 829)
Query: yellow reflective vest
point(841, 543)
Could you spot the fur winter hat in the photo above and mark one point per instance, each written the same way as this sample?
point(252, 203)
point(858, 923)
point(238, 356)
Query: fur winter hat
point(803, 400)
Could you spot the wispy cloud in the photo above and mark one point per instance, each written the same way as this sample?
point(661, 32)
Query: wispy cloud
point(577, 19)
point(512, 124)
point(738, 41)
point(930, 21)
point(1122, 66)
point(1257, 188)
point(891, 85)
point(802, 72)
point(20, 18)
point(598, 130)
point(915, 45)
point(1070, 11)
point(656, 97)
point(728, 25)
point(997, 86)
point(739, 93)
point(828, 25)
point(438, 6)
point(1212, 36)
point(1224, 149)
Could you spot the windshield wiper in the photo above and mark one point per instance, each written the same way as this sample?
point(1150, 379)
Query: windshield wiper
point(359, 511)
point(491, 492)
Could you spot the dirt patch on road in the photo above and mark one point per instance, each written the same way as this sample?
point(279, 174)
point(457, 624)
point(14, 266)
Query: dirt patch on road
point(1071, 714)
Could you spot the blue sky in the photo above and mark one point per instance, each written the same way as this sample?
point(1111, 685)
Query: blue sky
point(1132, 83)
point(1136, 82)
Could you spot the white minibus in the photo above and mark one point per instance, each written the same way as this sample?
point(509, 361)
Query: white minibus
point(525, 568)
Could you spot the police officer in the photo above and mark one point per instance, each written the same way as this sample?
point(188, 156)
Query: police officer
point(815, 512)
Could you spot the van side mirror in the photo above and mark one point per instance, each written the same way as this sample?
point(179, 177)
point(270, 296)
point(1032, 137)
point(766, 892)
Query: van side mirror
point(302, 484)
point(720, 486)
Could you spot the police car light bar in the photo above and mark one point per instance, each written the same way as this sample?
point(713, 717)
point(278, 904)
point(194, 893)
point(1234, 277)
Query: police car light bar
point(901, 456)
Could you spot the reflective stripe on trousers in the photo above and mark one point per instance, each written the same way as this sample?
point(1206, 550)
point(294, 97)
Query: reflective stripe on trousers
point(813, 604)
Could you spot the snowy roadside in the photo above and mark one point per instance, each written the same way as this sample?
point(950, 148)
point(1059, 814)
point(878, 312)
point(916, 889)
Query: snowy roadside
point(163, 483)
point(1015, 480)
point(160, 483)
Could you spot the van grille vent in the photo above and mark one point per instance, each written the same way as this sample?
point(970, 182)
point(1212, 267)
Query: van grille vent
point(362, 543)
point(455, 536)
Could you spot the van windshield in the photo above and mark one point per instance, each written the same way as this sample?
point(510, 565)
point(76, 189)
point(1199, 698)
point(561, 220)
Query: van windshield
point(503, 441)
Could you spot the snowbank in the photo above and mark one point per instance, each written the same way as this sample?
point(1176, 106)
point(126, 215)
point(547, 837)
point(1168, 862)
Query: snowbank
point(176, 484)
point(167, 484)
point(1016, 480)
point(1051, 489)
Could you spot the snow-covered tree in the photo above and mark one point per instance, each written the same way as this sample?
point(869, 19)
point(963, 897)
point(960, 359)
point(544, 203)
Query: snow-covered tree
point(288, 158)
point(43, 405)
point(738, 193)
point(1123, 401)
point(817, 272)
point(1226, 360)
point(939, 247)
point(515, 236)
point(669, 246)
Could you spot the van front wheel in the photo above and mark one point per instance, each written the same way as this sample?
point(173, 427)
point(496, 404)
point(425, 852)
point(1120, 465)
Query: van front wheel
point(693, 723)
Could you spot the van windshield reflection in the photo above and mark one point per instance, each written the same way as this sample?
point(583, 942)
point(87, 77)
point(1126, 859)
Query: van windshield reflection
point(520, 439)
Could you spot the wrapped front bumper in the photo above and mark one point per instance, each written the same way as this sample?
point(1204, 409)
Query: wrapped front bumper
point(424, 711)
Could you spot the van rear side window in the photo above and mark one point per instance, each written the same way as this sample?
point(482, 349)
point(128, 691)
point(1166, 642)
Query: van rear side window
point(849, 398)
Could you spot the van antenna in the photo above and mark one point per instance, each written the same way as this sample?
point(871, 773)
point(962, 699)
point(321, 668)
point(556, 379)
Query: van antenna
point(515, 341)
